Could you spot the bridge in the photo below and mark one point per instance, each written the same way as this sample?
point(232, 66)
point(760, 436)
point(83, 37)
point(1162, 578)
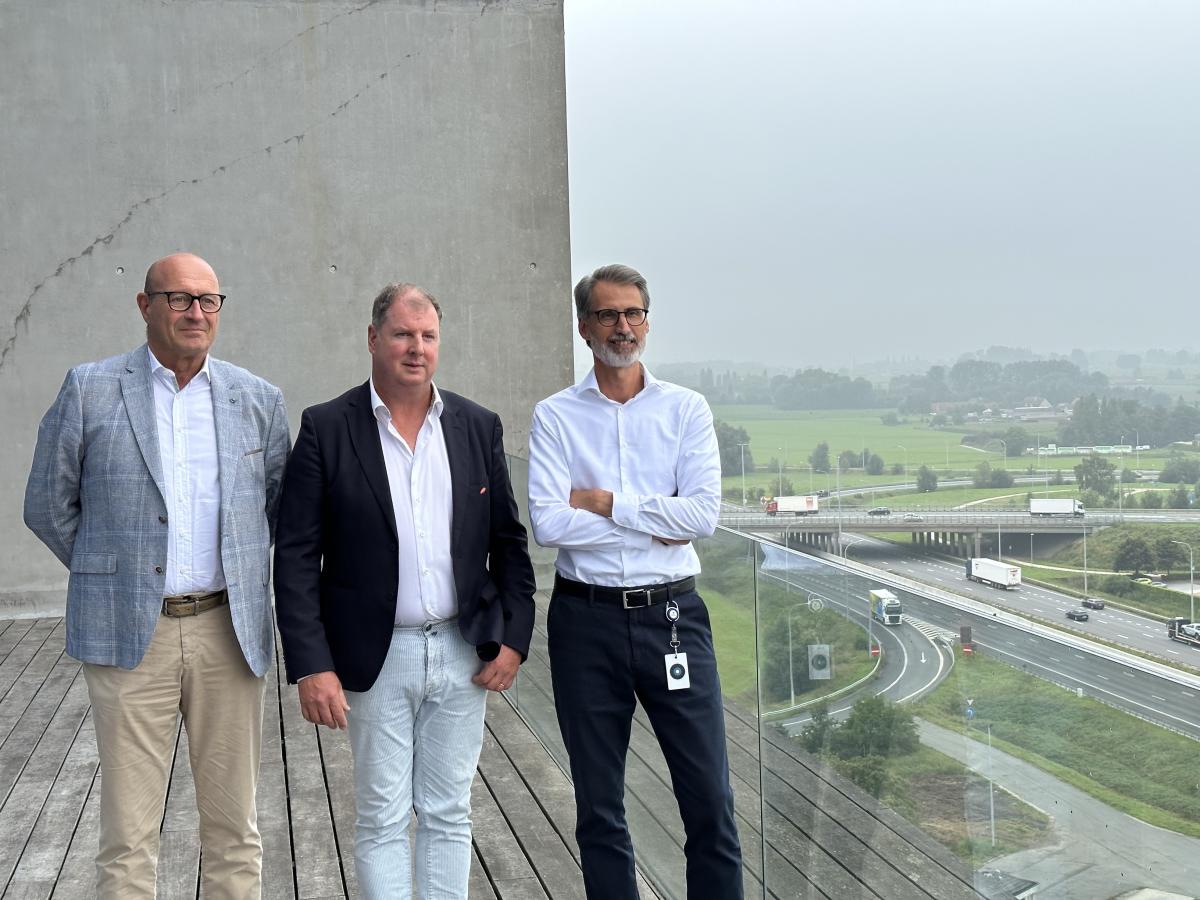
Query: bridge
point(957, 531)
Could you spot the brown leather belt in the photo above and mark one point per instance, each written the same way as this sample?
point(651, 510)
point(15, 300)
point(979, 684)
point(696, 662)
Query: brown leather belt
point(628, 598)
point(182, 605)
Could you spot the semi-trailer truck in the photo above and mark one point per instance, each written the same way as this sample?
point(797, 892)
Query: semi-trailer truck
point(885, 607)
point(1046, 506)
point(994, 573)
point(803, 505)
point(1179, 629)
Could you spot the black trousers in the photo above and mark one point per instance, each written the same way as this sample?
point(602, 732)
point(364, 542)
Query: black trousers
point(602, 657)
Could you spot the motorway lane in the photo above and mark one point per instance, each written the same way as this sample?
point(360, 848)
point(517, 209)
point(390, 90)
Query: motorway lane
point(1148, 696)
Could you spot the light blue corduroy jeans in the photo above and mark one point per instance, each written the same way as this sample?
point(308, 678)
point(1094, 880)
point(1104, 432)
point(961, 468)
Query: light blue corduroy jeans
point(416, 736)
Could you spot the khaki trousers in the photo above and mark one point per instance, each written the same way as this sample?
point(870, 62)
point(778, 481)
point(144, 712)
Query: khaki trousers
point(194, 667)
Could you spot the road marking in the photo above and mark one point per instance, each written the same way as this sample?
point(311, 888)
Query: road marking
point(1080, 656)
point(1156, 697)
point(1105, 677)
point(1054, 659)
point(1123, 637)
point(1131, 675)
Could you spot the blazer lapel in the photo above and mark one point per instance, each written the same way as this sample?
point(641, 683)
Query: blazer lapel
point(364, 437)
point(227, 421)
point(455, 437)
point(138, 394)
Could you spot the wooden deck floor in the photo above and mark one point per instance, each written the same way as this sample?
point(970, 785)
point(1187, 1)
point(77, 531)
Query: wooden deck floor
point(824, 838)
point(50, 789)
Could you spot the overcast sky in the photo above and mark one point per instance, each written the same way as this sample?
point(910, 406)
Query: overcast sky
point(817, 183)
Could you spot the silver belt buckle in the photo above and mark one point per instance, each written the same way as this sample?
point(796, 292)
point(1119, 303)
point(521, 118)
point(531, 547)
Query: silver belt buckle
point(626, 595)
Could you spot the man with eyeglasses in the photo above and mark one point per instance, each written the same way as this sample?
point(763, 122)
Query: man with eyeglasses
point(624, 474)
point(155, 480)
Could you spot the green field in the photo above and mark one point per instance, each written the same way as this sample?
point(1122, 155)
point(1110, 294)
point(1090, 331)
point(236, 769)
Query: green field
point(789, 436)
point(1127, 763)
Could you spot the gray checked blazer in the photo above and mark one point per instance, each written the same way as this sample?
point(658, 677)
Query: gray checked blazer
point(95, 498)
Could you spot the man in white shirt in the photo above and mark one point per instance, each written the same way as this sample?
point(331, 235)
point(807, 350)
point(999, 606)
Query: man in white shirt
point(155, 480)
point(404, 592)
point(624, 474)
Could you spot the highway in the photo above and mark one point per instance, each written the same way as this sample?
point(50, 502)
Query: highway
point(1164, 698)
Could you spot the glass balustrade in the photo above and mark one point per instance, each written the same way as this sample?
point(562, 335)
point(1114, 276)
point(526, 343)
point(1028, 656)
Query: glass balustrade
point(889, 736)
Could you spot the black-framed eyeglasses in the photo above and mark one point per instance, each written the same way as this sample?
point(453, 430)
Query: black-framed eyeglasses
point(635, 315)
point(182, 302)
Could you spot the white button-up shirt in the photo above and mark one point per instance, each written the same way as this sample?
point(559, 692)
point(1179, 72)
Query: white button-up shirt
point(187, 448)
point(658, 455)
point(419, 480)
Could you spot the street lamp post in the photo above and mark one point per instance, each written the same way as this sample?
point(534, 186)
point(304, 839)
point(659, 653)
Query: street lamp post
point(791, 669)
point(1004, 448)
point(742, 447)
point(1085, 590)
point(780, 450)
point(905, 449)
point(1191, 579)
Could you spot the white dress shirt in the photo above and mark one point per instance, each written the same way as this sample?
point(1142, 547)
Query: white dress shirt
point(187, 448)
point(419, 480)
point(658, 455)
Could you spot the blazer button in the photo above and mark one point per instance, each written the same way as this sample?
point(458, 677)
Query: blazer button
point(158, 570)
point(163, 519)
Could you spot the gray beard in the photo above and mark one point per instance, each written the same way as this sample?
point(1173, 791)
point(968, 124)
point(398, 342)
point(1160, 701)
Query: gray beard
point(607, 355)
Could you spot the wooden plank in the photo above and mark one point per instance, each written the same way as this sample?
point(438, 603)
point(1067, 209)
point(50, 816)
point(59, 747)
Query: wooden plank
point(28, 666)
point(479, 886)
point(11, 632)
point(51, 837)
point(500, 853)
point(541, 842)
point(314, 851)
point(27, 647)
point(44, 736)
point(278, 878)
point(77, 878)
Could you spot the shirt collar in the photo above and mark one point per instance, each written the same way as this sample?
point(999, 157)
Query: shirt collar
point(156, 367)
point(383, 414)
point(588, 382)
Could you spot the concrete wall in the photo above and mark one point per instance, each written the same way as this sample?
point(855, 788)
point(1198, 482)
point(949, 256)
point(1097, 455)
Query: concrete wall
point(312, 152)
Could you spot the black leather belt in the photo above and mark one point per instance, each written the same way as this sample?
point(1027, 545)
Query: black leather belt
point(628, 598)
point(182, 605)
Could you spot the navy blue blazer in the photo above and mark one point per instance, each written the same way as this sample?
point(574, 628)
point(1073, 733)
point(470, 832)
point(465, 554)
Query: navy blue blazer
point(336, 547)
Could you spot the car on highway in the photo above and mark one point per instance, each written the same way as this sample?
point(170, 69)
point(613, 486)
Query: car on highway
point(1142, 581)
point(1093, 603)
point(913, 517)
point(879, 511)
point(1079, 615)
point(1158, 584)
point(822, 493)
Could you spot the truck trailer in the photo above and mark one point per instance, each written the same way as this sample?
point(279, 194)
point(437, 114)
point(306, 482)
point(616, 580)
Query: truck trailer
point(1180, 629)
point(1054, 507)
point(994, 573)
point(885, 607)
point(804, 505)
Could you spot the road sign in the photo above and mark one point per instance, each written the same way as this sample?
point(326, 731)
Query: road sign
point(874, 649)
point(819, 668)
point(970, 713)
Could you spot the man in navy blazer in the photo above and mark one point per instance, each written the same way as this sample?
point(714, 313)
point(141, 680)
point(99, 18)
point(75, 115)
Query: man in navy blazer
point(404, 592)
point(155, 481)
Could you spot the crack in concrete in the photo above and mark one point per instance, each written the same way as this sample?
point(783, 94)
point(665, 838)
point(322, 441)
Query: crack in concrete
point(21, 320)
point(266, 57)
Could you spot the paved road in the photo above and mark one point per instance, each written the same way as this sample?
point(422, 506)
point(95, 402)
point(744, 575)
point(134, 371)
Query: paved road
point(1101, 852)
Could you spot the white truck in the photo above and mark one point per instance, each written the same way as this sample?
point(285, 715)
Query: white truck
point(804, 505)
point(885, 607)
point(994, 573)
point(1046, 506)
point(1184, 631)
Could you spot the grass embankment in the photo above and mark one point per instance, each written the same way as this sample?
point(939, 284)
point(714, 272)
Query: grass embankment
point(950, 803)
point(1129, 764)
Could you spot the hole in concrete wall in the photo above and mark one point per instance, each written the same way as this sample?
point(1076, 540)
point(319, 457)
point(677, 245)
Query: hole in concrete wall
point(333, 268)
point(120, 270)
point(533, 266)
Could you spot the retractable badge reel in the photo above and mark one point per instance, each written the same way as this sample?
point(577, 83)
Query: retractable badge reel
point(678, 678)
